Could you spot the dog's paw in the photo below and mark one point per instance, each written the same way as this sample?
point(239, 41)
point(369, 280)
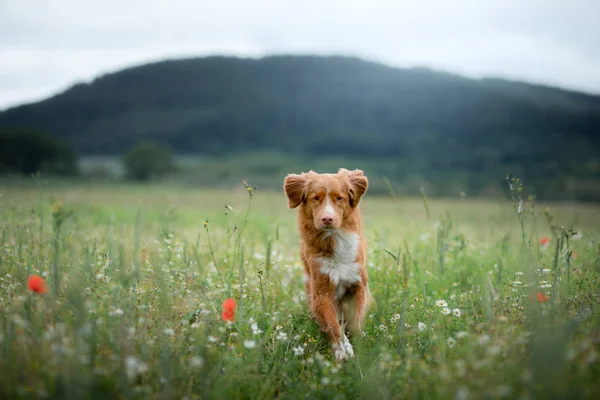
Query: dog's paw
point(348, 346)
point(343, 351)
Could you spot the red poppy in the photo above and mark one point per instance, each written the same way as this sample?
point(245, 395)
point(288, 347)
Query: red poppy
point(37, 284)
point(228, 313)
point(544, 240)
point(541, 297)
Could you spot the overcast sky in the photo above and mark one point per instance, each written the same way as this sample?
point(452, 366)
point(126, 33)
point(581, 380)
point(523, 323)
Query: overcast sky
point(47, 45)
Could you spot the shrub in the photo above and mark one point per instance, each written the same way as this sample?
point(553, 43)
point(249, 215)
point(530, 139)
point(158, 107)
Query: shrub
point(147, 161)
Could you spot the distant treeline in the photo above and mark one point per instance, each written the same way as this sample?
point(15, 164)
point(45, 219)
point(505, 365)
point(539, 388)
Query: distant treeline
point(416, 124)
point(29, 151)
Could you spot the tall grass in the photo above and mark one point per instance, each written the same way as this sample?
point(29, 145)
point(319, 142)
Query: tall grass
point(138, 279)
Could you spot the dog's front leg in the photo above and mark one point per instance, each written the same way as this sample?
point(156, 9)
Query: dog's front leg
point(362, 299)
point(324, 311)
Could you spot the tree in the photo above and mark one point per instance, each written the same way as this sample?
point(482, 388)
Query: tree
point(31, 151)
point(147, 161)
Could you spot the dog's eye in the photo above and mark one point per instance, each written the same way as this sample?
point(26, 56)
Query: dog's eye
point(316, 198)
point(340, 198)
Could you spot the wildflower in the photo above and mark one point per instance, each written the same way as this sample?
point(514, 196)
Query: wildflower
point(462, 393)
point(456, 312)
point(281, 336)
point(197, 362)
point(518, 273)
point(382, 327)
point(249, 344)
point(462, 334)
point(441, 303)
point(298, 351)
point(169, 332)
point(37, 284)
point(493, 351)
point(213, 339)
point(483, 340)
point(544, 241)
point(516, 283)
point(446, 311)
point(115, 312)
point(541, 297)
point(325, 381)
point(451, 342)
point(228, 309)
point(255, 329)
point(412, 306)
point(421, 326)
point(546, 270)
point(135, 367)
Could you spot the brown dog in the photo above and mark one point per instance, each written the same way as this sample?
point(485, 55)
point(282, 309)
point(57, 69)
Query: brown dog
point(333, 250)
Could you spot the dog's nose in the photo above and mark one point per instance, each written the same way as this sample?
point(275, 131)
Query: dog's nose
point(327, 219)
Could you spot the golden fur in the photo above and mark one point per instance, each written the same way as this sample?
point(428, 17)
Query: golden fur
point(333, 250)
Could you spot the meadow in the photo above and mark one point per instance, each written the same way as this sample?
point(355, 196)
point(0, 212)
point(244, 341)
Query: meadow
point(474, 299)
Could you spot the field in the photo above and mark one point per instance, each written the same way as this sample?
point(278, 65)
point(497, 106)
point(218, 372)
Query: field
point(473, 299)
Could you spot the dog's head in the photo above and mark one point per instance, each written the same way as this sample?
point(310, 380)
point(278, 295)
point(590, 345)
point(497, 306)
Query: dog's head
point(327, 199)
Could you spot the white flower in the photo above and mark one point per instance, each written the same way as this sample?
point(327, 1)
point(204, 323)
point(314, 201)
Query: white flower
point(456, 313)
point(412, 306)
point(425, 237)
point(520, 207)
point(462, 393)
point(451, 342)
point(483, 340)
point(213, 339)
point(517, 283)
point(325, 381)
point(115, 312)
point(298, 351)
point(446, 311)
point(281, 336)
point(546, 270)
point(494, 350)
point(441, 303)
point(518, 273)
point(382, 327)
point(249, 344)
point(197, 362)
point(135, 367)
point(421, 326)
point(168, 331)
point(255, 329)
point(462, 334)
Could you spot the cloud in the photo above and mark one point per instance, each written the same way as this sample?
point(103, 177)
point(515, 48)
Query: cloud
point(49, 45)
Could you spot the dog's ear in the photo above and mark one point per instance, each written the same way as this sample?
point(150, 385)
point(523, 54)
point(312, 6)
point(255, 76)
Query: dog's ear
point(358, 186)
point(295, 189)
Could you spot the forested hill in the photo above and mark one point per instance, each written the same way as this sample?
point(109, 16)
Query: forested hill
point(327, 106)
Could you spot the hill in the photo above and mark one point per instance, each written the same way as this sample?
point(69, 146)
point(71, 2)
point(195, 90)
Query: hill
point(434, 124)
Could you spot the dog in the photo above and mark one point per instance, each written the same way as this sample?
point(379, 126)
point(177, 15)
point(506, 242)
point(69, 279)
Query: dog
point(333, 251)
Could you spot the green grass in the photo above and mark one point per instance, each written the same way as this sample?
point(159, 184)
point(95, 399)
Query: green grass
point(142, 279)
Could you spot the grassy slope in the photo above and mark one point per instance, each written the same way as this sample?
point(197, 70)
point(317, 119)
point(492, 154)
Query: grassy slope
point(116, 252)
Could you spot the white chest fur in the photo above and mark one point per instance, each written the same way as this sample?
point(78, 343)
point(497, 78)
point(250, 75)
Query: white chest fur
point(342, 268)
